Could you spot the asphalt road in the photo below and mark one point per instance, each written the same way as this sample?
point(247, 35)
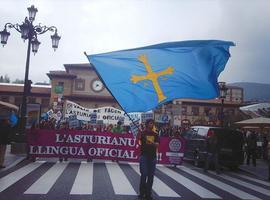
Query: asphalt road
point(99, 180)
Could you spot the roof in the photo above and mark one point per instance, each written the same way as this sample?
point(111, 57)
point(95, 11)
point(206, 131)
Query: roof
point(259, 122)
point(60, 73)
point(11, 88)
point(81, 66)
point(255, 107)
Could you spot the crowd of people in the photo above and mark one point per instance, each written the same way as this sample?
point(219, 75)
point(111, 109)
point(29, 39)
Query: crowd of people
point(164, 130)
point(256, 146)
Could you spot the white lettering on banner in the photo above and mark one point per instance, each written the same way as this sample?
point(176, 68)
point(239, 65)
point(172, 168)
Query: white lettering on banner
point(56, 150)
point(100, 152)
point(114, 153)
point(95, 139)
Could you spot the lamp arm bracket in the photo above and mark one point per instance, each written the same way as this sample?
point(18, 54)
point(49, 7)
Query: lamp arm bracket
point(15, 26)
point(43, 29)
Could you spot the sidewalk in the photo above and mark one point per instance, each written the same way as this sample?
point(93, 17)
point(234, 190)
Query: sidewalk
point(261, 170)
point(12, 159)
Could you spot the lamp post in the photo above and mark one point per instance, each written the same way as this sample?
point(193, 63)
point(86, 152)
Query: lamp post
point(222, 95)
point(29, 32)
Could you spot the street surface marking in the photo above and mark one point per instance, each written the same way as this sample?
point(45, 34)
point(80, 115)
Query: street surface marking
point(252, 179)
point(45, 182)
point(120, 183)
point(194, 187)
point(83, 183)
point(159, 186)
point(223, 186)
point(245, 184)
point(15, 176)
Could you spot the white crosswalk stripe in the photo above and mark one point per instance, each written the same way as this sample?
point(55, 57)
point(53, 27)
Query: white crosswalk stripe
point(252, 179)
point(83, 183)
point(15, 176)
point(223, 186)
point(245, 184)
point(45, 182)
point(120, 183)
point(159, 186)
point(194, 187)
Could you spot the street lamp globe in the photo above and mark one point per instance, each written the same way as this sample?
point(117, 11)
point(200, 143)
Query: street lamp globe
point(222, 90)
point(55, 40)
point(32, 12)
point(35, 45)
point(24, 31)
point(4, 37)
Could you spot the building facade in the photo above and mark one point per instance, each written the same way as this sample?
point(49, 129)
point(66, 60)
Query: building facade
point(12, 93)
point(80, 83)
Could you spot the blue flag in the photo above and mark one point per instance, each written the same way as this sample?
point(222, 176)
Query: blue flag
point(143, 78)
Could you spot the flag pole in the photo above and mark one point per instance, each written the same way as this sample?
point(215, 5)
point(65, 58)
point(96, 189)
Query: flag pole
point(110, 91)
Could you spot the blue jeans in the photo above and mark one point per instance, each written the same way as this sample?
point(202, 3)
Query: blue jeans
point(147, 170)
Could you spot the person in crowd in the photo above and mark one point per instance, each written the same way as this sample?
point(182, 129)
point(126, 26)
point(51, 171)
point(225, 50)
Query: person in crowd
point(5, 128)
point(176, 132)
point(162, 131)
point(149, 141)
point(109, 128)
point(264, 147)
point(251, 148)
point(212, 153)
point(118, 128)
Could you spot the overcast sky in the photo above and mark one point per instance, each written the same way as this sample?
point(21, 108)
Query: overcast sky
point(99, 26)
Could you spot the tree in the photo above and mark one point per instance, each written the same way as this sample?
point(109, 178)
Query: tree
point(4, 79)
point(40, 83)
point(18, 81)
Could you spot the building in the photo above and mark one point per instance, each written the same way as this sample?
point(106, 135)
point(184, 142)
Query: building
point(12, 93)
point(204, 112)
point(79, 83)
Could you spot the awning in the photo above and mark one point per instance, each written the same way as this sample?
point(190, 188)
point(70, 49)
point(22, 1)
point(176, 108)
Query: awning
point(255, 122)
point(8, 106)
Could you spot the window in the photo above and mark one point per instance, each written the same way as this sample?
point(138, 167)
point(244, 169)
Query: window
point(61, 84)
point(184, 110)
point(32, 100)
point(79, 84)
point(195, 111)
point(45, 102)
point(207, 111)
point(5, 98)
point(18, 101)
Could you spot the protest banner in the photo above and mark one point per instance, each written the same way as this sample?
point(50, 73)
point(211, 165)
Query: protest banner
point(109, 115)
point(98, 145)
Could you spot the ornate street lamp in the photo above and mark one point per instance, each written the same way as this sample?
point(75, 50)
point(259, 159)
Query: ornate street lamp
point(222, 95)
point(29, 32)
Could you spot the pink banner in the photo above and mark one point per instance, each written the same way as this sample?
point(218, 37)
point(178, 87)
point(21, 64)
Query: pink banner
point(97, 145)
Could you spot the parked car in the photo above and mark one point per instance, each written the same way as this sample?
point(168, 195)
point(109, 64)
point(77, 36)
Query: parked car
point(228, 144)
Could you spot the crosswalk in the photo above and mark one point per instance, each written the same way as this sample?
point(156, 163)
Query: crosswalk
point(122, 179)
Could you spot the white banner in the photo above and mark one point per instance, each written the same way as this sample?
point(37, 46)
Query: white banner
point(108, 115)
point(81, 112)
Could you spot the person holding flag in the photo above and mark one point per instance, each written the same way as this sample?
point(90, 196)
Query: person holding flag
point(149, 142)
point(147, 77)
